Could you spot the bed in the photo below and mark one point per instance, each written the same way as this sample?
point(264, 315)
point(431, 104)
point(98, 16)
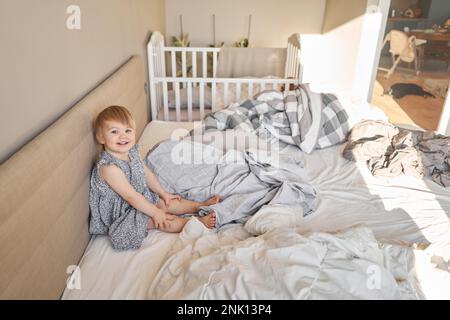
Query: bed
point(401, 216)
point(364, 228)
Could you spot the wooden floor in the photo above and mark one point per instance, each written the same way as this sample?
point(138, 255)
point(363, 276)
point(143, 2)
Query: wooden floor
point(424, 112)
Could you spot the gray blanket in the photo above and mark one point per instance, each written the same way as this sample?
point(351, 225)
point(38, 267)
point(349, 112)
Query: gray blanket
point(197, 172)
point(390, 151)
point(301, 117)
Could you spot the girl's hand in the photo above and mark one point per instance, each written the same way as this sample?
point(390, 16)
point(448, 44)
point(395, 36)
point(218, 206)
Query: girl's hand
point(162, 219)
point(167, 197)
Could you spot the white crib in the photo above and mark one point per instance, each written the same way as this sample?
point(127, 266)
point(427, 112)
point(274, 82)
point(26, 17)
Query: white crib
point(204, 93)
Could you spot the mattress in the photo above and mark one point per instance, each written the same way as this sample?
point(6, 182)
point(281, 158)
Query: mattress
point(398, 211)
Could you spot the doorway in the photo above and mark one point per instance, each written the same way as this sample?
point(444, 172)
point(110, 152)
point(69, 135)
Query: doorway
point(425, 24)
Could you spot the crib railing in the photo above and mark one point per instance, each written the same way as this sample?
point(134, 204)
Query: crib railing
point(293, 66)
point(195, 53)
point(254, 85)
point(204, 78)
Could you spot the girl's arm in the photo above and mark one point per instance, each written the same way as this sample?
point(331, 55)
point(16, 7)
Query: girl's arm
point(117, 180)
point(153, 184)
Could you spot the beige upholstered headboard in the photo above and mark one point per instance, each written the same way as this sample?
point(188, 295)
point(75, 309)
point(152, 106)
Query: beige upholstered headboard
point(44, 190)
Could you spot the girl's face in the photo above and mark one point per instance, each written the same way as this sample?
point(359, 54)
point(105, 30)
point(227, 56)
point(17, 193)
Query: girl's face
point(117, 138)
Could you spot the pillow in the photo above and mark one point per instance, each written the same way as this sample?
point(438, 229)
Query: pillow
point(195, 98)
point(357, 108)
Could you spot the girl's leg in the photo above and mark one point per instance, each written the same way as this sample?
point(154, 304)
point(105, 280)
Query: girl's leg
point(183, 206)
point(175, 225)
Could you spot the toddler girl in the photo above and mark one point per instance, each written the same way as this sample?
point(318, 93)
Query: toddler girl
point(126, 198)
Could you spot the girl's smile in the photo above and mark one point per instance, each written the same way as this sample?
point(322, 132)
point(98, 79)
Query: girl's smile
point(117, 138)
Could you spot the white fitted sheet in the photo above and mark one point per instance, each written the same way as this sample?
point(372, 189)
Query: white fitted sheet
point(403, 210)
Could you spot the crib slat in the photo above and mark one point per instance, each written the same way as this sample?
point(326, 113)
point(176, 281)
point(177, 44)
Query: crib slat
point(274, 86)
point(250, 90)
point(294, 53)
point(194, 64)
point(158, 74)
point(158, 96)
point(174, 64)
point(163, 61)
point(189, 100)
point(152, 82)
point(293, 62)
point(213, 96)
point(165, 101)
point(214, 63)
point(288, 60)
point(157, 65)
point(177, 100)
point(286, 87)
point(205, 64)
point(263, 87)
point(163, 74)
point(238, 91)
point(291, 56)
point(292, 75)
point(202, 100)
point(225, 94)
point(183, 67)
point(286, 64)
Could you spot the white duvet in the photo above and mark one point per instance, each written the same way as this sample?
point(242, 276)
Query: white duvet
point(281, 263)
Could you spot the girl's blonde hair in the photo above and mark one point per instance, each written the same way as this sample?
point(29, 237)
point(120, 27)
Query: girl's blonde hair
point(114, 113)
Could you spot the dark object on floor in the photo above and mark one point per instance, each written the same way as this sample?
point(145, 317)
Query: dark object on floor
point(399, 90)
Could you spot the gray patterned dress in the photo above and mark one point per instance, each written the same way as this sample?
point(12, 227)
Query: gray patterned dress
point(110, 213)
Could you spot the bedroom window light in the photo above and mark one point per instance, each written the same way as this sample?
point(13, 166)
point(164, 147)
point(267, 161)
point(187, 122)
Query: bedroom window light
point(398, 202)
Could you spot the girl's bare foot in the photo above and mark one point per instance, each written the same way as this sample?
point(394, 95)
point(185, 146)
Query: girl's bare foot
point(174, 225)
point(209, 220)
point(211, 201)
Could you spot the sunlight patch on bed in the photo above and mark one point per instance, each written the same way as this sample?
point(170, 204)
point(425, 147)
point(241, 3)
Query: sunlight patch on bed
point(405, 192)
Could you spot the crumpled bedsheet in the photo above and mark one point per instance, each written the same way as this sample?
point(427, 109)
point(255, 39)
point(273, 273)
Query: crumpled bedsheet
point(390, 151)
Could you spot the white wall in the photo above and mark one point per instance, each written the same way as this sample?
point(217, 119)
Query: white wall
point(273, 21)
point(339, 40)
point(330, 59)
point(45, 68)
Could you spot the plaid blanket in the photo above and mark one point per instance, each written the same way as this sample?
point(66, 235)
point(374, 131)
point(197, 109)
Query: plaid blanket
point(301, 117)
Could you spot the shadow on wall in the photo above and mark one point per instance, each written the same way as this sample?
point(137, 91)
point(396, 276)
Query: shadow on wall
point(340, 12)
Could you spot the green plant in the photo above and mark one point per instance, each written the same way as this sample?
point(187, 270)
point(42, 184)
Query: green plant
point(183, 41)
point(243, 43)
